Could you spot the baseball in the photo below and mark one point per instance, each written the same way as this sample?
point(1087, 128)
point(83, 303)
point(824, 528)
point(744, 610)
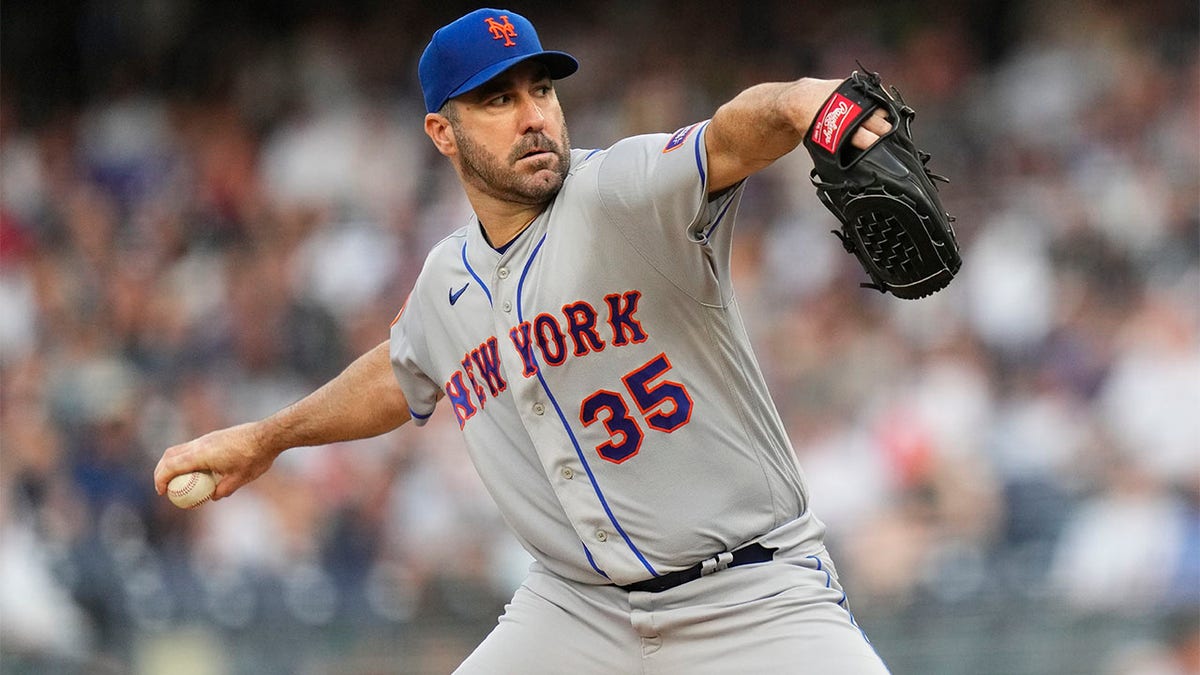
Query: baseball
point(189, 490)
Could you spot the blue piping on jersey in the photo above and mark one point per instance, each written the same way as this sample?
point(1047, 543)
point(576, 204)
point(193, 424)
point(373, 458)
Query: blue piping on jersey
point(417, 416)
point(699, 159)
point(829, 581)
point(589, 155)
point(841, 603)
point(591, 561)
point(570, 433)
point(473, 274)
point(713, 228)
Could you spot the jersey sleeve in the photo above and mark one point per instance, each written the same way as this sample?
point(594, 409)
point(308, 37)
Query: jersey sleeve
point(654, 188)
point(408, 351)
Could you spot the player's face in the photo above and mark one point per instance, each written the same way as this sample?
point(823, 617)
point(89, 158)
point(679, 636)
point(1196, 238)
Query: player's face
point(511, 136)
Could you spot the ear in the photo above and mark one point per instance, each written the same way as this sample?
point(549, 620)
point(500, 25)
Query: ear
point(438, 129)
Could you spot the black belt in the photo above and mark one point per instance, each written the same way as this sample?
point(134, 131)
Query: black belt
point(752, 553)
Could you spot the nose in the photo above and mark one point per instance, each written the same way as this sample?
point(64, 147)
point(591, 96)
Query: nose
point(532, 118)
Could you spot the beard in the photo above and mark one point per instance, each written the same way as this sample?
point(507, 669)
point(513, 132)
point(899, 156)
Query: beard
point(501, 179)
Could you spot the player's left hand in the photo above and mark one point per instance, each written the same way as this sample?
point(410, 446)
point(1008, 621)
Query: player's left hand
point(871, 130)
point(814, 93)
point(884, 194)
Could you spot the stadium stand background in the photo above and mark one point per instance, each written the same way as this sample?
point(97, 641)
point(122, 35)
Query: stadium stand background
point(209, 208)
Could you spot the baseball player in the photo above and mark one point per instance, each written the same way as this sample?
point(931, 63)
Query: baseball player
point(582, 329)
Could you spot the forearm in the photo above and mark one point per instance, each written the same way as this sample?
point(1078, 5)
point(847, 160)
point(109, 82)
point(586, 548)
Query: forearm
point(758, 126)
point(766, 122)
point(760, 121)
point(362, 401)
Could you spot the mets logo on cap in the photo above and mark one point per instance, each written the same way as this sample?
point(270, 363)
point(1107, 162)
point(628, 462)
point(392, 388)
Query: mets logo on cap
point(502, 30)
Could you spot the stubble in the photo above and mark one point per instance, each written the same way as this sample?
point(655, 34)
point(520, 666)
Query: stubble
point(501, 178)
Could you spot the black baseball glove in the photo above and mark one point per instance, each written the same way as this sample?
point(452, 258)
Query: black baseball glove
point(884, 196)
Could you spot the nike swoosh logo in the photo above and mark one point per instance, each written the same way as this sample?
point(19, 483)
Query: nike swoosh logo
point(454, 295)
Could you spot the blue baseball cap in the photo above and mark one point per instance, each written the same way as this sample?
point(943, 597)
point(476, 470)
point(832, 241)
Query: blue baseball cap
point(479, 46)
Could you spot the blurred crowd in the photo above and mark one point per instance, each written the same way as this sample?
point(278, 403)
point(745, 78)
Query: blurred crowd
point(208, 210)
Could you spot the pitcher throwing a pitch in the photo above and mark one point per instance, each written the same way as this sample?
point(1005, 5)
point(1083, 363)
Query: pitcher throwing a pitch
point(583, 331)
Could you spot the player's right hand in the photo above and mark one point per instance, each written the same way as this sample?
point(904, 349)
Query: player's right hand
point(236, 456)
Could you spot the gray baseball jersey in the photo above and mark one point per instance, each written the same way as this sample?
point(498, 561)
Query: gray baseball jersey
point(601, 372)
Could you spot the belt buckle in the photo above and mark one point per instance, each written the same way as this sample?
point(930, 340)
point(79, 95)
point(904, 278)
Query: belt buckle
point(716, 563)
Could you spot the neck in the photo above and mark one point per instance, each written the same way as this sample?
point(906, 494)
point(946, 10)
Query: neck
point(500, 238)
point(503, 221)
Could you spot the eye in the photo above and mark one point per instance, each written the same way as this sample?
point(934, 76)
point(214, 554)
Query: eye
point(498, 100)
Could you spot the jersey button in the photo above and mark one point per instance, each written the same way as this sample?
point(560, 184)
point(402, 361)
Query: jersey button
point(567, 473)
point(502, 272)
point(539, 409)
point(601, 535)
point(506, 306)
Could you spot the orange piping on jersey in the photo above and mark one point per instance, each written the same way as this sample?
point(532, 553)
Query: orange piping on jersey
point(402, 307)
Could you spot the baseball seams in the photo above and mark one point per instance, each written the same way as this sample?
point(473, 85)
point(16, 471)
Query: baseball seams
point(180, 494)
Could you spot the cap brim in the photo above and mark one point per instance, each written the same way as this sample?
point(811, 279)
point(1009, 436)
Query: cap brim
point(559, 65)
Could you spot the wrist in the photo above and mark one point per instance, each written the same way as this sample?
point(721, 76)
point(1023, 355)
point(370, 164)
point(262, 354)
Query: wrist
point(268, 437)
point(804, 99)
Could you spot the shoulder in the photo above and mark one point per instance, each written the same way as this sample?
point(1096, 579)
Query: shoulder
point(451, 244)
point(444, 255)
point(623, 163)
point(642, 144)
point(684, 148)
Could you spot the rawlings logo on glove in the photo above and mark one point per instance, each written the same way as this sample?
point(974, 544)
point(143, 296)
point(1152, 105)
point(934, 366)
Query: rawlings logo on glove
point(839, 113)
point(884, 196)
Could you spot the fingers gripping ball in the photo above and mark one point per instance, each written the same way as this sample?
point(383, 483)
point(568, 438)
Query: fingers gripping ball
point(189, 490)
